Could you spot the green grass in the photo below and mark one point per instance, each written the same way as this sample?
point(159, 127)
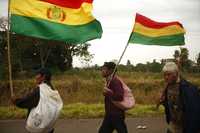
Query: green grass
point(12, 113)
point(81, 92)
point(86, 86)
point(81, 110)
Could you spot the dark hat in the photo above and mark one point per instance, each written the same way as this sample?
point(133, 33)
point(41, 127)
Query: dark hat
point(109, 65)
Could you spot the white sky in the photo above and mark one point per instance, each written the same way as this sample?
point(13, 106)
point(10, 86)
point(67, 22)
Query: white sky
point(117, 19)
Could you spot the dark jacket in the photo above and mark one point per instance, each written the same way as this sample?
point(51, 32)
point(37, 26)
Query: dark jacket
point(29, 101)
point(190, 98)
point(117, 95)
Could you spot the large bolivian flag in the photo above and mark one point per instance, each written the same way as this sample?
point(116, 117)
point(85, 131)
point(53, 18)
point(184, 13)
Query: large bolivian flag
point(149, 32)
point(64, 20)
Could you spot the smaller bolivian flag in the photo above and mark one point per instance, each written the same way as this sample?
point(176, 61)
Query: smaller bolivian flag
point(63, 20)
point(149, 32)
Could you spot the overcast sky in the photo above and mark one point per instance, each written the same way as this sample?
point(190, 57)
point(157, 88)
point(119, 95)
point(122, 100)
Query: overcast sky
point(117, 19)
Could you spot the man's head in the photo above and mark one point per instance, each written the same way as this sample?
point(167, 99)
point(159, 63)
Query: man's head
point(43, 75)
point(108, 68)
point(171, 74)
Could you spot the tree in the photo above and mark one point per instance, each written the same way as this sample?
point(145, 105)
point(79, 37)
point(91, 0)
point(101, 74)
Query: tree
point(128, 63)
point(184, 61)
point(53, 54)
point(155, 66)
point(129, 66)
point(198, 60)
point(141, 67)
point(3, 49)
point(79, 50)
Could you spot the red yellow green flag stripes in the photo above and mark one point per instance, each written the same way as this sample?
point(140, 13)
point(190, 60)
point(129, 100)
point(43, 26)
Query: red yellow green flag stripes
point(149, 32)
point(64, 20)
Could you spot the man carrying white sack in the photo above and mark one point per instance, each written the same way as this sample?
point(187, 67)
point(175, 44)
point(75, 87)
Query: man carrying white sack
point(43, 103)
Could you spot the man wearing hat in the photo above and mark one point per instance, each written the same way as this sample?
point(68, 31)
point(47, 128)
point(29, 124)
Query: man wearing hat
point(31, 100)
point(114, 118)
point(181, 100)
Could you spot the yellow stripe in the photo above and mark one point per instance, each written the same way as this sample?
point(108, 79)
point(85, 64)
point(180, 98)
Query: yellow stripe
point(152, 32)
point(50, 12)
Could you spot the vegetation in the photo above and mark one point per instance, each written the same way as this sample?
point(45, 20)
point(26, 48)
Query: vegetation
point(80, 110)
point(80, 84)
point(86, 86)
point(30, 53)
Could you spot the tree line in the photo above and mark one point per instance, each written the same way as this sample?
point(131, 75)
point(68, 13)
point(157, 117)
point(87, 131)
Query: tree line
point(180, 56)
point(29, 54)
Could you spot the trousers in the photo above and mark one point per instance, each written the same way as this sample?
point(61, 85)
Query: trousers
point(111, 123)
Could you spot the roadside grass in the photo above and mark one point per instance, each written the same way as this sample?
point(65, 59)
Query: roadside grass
point(12, 112)
point(81, 110)
point(86, 86)
point(81, 92)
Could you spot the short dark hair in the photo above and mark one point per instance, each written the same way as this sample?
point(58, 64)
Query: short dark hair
point(109, 65)
point(46, 72)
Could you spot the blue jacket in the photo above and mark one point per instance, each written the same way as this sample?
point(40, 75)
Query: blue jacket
point(190, 98)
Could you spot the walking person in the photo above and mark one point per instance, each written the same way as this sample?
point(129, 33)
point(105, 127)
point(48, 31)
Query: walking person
point(114, 118)
point(181, 100)
point(31, 101)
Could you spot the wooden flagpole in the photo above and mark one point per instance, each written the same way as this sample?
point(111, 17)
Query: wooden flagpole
point(9, 53)
point(113, 74)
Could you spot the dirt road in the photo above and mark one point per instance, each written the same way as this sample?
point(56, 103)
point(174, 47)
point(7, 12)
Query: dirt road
point(153, 125)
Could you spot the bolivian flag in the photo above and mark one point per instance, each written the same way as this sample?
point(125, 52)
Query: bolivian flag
point(149, 32)
point(64, 20)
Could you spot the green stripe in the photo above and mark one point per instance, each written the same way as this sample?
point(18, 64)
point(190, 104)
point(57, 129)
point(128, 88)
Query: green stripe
point(54, 31)
point(171, 40)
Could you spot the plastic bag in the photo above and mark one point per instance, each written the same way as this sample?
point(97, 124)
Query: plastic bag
point(43, 117)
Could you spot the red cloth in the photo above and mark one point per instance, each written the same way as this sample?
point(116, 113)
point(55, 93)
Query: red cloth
point(117, 95)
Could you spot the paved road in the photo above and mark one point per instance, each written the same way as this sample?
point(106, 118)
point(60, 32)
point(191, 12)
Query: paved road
point(154, 125)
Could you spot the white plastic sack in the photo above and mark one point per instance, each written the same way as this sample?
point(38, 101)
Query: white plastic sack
point(43, 117)
point(128, 101)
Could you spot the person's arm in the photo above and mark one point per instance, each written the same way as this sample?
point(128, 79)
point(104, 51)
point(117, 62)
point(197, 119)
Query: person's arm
point(29, 101)
point(162, 97)
point(107, 91)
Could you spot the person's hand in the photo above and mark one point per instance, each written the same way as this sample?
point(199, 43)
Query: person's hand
point(160, 100)
point(107, 91)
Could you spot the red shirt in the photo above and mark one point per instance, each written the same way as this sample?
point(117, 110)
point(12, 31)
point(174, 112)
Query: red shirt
point(117, 95)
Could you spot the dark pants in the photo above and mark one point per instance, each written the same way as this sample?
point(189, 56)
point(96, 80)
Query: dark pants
point(51, 131)
point(111, 123)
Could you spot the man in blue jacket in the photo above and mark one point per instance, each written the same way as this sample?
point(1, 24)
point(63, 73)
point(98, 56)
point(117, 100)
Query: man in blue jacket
point(181, 100)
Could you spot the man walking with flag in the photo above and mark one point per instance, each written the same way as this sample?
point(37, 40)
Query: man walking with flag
point(114, 116)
